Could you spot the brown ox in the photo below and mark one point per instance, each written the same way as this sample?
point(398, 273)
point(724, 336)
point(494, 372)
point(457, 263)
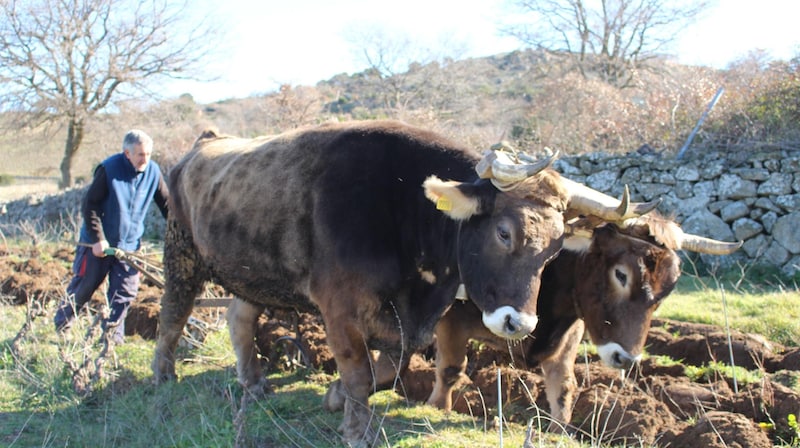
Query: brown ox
point(354, 220)
point(608, 283)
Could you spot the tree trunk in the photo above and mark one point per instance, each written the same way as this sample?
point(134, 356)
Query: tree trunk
point(74, 139)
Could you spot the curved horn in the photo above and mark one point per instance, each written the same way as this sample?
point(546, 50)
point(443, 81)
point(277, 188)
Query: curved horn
point(705, 245)
point(639, 208)
point(592, 202)
point(625, 202)
point(484, 166)
point(509, 173)
point(506, 175)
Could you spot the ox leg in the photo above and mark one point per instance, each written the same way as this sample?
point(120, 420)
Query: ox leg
point(559, 378)
point(185, 276)
point(388, 369)
point(385, 370)
point(242, 321)
point(352, 391)
point(451, 356)
point(347, 310)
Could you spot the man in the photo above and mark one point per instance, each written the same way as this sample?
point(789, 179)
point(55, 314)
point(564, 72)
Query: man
point(114, 211)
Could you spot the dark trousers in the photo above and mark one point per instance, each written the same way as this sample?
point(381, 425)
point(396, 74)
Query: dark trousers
point(89, 273)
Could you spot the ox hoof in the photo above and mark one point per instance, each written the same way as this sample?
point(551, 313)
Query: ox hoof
point(439, 403)
point(260, 389)
point(356, 436)
point(163, 369)
point(556, 427)
point(163, 378)
point(560, 428)
point(334, 398)
point(161, 375)
point(356, 443)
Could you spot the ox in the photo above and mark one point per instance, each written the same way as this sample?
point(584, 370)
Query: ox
point(355, 220)
point(607, 282)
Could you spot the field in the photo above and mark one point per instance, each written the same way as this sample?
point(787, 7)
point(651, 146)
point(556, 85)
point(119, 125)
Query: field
point(64, 391)
point(22, 188)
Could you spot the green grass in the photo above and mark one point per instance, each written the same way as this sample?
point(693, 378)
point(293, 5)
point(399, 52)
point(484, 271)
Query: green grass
point(6, 180)
point(771, 312)
point(38, 406)
point(714, 370)
point(664, 361)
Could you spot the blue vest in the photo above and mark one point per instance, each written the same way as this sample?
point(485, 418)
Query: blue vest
point(129, 197)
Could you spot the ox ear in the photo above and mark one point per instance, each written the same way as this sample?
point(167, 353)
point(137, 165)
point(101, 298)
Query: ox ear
point(450, 198)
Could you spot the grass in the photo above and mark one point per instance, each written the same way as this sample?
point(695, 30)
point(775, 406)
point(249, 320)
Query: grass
point(6, 180)
point(773, 313)
point(40, 407)
point(12, 189)
point(714, 370)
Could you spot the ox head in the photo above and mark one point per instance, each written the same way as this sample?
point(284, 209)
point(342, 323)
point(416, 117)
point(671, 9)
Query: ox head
point(625, 273)
point(511, 226)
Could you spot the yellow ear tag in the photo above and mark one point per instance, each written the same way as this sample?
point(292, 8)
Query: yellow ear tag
point(444, 203)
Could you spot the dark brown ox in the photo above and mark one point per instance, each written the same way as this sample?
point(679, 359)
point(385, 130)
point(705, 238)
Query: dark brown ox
point(355, 220)
point(608, 283)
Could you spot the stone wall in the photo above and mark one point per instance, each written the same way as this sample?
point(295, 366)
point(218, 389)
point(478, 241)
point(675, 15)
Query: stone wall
point(749, 196)
point(41, 209)
point(59, 215)
point(744, 196)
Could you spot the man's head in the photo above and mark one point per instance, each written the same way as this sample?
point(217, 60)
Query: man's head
point(138, 147)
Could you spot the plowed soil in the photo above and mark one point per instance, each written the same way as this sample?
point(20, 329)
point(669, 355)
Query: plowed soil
point(656, 404)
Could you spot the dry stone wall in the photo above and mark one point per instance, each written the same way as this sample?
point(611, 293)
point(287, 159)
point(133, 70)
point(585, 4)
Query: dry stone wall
point(60, 213)
point(749, 196)
point(731, 196)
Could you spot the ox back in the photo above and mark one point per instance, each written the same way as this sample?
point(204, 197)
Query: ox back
point(255, 211)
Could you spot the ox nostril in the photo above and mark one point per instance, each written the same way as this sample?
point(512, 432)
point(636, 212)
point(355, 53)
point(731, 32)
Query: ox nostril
point(623, 360)
point(511, 324)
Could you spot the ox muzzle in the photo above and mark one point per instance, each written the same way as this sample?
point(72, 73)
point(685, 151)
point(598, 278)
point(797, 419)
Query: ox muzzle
point(613, 355)
point(509, 323)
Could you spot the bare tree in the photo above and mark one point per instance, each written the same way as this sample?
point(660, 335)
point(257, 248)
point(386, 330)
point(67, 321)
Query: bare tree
point(611, 38)
point(291, 107)
point(394, 60)
point(64, 61)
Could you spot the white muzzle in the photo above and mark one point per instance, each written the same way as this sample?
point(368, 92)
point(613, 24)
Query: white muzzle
point(509, 323)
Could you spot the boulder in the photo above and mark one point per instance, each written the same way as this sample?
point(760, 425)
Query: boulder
point(731, 186)
point(786, 232)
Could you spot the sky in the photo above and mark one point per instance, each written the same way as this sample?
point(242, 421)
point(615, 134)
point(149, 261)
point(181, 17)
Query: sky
point(302, 42)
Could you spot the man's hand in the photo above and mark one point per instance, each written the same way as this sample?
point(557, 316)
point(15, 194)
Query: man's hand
point(98, 248)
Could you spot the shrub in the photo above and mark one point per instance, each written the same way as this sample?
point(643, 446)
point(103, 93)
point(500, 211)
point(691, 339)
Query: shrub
point(6, 179)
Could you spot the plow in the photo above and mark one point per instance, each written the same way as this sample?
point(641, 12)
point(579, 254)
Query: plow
point(153, 270)
point(87, 358)
point(289, 348)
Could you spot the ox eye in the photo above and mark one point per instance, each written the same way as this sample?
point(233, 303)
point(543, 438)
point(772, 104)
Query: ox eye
point(623, 279)
point(504, 235)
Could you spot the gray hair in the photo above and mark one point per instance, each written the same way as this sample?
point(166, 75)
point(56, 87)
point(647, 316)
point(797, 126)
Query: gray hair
point(136, 137)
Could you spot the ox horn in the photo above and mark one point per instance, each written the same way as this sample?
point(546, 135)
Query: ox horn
point(592, 202)
point(705, 245)
point(505, 174)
